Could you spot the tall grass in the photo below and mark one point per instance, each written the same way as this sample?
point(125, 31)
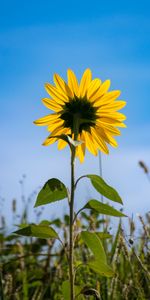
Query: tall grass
point(34, 269)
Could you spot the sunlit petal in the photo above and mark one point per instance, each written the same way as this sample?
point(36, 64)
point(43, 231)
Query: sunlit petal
point(73, 82)
point(84, 83)
point(46, 120)
point(62, 86)
point(51, 104)
point(99, 141)
point(101, 91)
point(55, 94)
point(93, 87)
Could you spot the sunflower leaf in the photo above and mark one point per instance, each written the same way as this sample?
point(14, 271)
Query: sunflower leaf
point(66, 291)
point(103, 208)
point(99, 264)
point(104, 189)
point(93, 242)
point(101, 268)
point(38, 231)
point(103, 235)
point(53, 190)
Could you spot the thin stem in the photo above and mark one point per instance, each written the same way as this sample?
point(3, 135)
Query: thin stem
point(75, 217)
point(79, 180)
point(71, 203)
point(1, 287)
point(100, 170)
point(71, 242)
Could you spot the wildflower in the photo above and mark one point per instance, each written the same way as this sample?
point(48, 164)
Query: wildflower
point(86, 111)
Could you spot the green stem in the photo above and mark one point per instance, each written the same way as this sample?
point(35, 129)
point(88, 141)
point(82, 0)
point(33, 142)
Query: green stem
point(71, 225)
point(1, 288)
point(71, 243)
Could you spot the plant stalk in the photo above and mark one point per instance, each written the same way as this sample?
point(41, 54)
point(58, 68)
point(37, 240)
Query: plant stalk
point(71, 241)
point(71, 225)
point(1, 287)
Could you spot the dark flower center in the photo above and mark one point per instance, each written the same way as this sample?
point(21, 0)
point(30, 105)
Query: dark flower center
point(79, 108)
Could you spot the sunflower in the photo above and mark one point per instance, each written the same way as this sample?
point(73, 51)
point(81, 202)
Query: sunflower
point(88, 104)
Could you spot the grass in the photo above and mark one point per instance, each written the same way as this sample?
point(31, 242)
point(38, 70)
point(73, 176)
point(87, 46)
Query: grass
point(34, 269)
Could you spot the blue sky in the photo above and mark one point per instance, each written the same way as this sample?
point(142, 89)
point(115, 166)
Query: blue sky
point(39, 38)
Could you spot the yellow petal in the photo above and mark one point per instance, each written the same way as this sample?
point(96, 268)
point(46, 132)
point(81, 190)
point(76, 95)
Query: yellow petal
point(72, 82)
point(93, 87)
point(112, 141)
point(112, 130)
point(84, 83)
point(49, 141)
point(99, 141)
point(55, 94)
point(57, 131)
point(51, 104)
point(101, 133)
point(105, 86)
point(107, 120)
point(106, 136)
point(113, 115)
point(46, 120)
point(89, 143)
point(62, 86)
point(61, 144)
point(80, 151)
point(101, 91)
point(55, 124)
point(117, 105)
point(107, 98)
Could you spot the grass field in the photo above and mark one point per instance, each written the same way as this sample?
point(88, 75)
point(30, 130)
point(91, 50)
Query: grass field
point(36, 269)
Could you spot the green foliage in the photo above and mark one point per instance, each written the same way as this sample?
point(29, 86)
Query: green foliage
point(39, 231)
point(99, 264)
point(38, 267)
point(106, 267)
point(66, 291)
point(53, 190)
point(104, 189)
point(104, 235)
point(93, 242)
point(104, 209)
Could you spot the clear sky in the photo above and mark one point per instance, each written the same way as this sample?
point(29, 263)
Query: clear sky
point(39, 38)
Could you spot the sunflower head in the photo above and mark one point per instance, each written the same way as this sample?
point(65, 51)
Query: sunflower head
point(86, 111)
point(80, 110)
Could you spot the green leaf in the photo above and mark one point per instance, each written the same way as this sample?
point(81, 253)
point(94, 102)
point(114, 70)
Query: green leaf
point(56, 222)
point(104, 235)
point(104, 209)
point(38, 231)
point(99, 265)
point(10, 237)
point(45, 223)
point(104, 189)
point(53, 190)
point(35, 284)
point(93, 242)
point(101, 268)
point(66, 291)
